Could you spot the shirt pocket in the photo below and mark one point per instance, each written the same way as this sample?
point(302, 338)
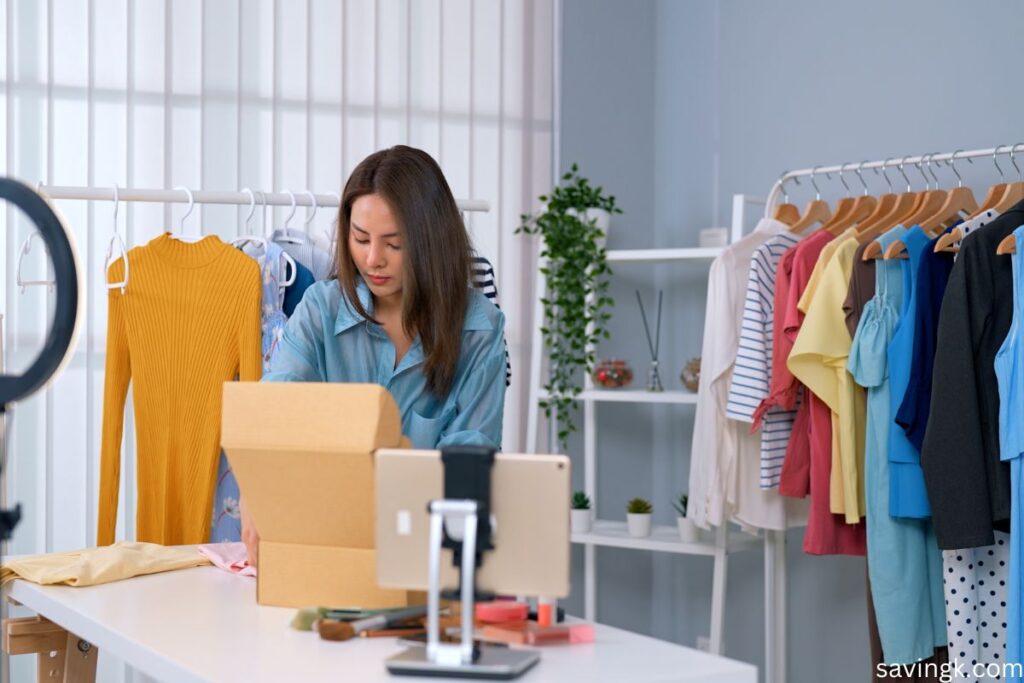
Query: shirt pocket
point(425, 432)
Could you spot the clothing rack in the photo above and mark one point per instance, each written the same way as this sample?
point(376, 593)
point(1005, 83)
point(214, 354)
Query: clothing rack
point(214, 197)
point(892, 162)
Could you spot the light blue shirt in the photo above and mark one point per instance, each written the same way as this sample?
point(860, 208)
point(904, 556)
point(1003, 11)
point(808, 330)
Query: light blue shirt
point(325, 340)
point(1009, 366)
point(904, 562)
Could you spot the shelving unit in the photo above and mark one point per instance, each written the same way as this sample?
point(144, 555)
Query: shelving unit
point(718, 544)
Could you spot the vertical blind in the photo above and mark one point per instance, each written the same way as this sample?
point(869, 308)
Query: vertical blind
point(270, 94)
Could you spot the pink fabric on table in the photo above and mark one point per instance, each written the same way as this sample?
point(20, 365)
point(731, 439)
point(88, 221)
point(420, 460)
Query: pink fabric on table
point(228, 556)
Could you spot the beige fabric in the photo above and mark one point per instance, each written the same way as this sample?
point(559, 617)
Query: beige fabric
point(94, 566)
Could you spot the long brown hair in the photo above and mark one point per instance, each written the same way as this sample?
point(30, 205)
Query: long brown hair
point(436, 252)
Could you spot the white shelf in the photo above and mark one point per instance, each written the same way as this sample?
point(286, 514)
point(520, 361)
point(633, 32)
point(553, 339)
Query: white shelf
point(662, 539)
point(634, 396)
point(655, 255)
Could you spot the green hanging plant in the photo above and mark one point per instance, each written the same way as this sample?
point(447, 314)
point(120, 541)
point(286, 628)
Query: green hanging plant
point(577, 289)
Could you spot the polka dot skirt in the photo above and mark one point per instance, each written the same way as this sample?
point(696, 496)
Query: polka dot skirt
point(975, 586)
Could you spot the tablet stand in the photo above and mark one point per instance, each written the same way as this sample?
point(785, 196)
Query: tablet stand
point(461, 521)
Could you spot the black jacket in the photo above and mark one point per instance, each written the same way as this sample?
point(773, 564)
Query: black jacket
point(968, 486)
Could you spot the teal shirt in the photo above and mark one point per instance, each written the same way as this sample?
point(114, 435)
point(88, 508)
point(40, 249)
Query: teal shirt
point(325, 340)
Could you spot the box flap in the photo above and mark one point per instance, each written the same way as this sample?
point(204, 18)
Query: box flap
point(333, 416)
point(303, 457)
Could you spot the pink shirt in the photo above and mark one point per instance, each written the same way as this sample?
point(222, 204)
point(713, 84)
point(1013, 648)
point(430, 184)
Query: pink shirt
point(808, 464)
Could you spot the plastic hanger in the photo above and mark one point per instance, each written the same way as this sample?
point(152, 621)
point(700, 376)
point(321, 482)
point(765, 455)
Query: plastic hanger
point(116, 240)
point(286, 235)
point(261, 240)
point(960, 202)
point(335, 225)
point(180, 235)
point(785, 212)
point(26, 247)
point(816, 211)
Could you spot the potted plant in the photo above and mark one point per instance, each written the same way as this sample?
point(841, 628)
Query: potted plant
point(638, 517)
point(688, 531)
point(576, 302)
point(580, 513)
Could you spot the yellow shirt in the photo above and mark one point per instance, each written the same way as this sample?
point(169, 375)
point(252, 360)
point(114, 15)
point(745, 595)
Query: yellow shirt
point(188, 321)
point(93, 566)
point(818, 359)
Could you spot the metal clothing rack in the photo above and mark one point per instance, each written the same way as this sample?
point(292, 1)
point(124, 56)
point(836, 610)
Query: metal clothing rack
point(892, 162)
point(214, 197)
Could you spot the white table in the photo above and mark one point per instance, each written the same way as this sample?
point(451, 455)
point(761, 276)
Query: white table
point(203, 624)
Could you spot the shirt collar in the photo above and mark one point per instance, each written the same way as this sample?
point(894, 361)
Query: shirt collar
point(476, 313)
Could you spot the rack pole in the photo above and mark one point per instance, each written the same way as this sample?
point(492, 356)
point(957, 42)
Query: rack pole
point(892, 162)
point(210, 197)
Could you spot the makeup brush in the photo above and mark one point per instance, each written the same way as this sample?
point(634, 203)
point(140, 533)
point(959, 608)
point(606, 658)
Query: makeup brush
point(330, 629)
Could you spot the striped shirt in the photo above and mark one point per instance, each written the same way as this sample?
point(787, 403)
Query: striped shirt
point(483, 281)
point(753, 370)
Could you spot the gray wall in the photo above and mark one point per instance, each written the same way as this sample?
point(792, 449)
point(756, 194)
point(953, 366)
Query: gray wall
point(675, 105)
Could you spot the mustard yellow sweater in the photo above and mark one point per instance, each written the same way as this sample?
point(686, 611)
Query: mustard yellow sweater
point(188, 321)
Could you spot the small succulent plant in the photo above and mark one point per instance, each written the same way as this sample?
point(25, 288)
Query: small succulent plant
point(580, 501)
point(680, 504)
point(639, 506)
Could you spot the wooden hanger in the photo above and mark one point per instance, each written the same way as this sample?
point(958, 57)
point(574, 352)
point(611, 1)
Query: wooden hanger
point(848, 209)
point(959, 202)
point(907, 204)
point(1014, 192)
point(1008, 245)
point(786, 213)
point(816, 211)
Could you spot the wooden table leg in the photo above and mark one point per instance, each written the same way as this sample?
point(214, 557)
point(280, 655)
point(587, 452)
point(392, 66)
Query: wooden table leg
point(62, 656)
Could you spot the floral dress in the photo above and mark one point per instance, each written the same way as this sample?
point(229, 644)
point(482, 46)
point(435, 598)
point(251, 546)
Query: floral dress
point(225, 523)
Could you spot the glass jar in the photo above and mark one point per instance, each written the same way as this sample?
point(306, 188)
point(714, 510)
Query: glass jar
point(612, 373)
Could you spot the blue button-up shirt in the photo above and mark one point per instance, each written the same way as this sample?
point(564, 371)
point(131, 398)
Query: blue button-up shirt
point(327, 341)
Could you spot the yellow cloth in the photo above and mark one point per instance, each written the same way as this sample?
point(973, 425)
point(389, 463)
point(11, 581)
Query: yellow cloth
point(93, 566)
point(188, 321)
point(824, 257)
point(819, 359)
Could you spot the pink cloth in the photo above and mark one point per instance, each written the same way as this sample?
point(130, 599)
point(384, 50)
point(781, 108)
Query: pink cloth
point(807, 467)
point(228, 556)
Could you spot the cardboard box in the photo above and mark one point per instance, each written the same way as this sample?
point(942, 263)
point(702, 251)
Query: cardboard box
point(303, 457)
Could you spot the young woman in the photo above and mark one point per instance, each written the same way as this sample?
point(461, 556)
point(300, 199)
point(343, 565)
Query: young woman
point(402, 313)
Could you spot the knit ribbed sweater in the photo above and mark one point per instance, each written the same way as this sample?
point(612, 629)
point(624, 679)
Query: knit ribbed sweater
point(189, 320)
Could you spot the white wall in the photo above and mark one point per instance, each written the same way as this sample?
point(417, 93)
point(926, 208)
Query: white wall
point(741, 91)
point(270, 94)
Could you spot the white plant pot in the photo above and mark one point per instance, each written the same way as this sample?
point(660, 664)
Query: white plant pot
point(639, 525)
point(688, 531)
point(580, 521)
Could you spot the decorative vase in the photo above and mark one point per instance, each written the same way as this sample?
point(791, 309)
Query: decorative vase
point(688, 531)
point(612, 374)
point(639, 524)
point(690, 376)
point(580, 520)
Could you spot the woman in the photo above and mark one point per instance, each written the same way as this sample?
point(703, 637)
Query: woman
point(402, 313)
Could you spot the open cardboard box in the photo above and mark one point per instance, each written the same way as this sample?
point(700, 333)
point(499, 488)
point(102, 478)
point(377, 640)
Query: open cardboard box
point(303, 457)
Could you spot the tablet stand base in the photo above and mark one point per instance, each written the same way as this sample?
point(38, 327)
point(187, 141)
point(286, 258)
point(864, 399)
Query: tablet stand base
point(457, 660)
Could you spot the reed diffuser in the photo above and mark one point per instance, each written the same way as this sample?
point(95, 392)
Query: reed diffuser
point(654, 376)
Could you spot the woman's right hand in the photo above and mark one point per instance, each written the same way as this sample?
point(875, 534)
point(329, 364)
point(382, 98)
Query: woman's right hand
point(250, 536)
